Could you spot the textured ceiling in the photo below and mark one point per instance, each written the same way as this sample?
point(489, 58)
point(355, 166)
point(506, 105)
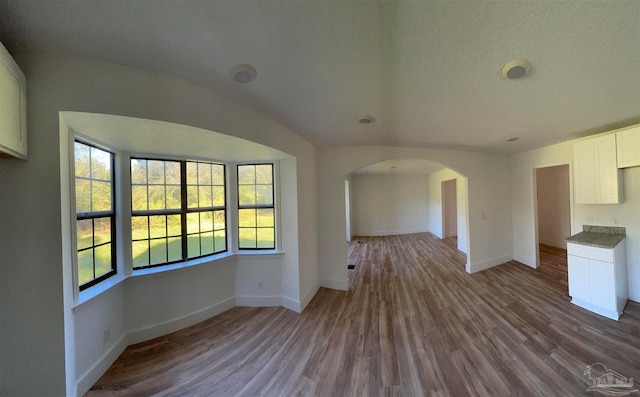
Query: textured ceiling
point(428, 71)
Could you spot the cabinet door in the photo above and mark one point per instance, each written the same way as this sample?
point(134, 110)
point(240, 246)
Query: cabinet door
point(607, 178)
point(579, 280)
point(584, 172)
point(601, 284)
point(13, 140)
point(628, 144)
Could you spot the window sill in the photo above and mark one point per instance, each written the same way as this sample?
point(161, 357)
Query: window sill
point(94, 291)
point(181, 265)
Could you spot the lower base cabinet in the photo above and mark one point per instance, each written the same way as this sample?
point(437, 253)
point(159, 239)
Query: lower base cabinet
point(598, 278)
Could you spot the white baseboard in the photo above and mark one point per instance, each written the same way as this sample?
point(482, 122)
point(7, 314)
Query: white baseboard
point(91, 376)
point(477, 267)
point(311, 292)
point(390, 232)
point(154, 331)
point(258, 301)
point(341, 285)
point(554, 243)
point(290, 304)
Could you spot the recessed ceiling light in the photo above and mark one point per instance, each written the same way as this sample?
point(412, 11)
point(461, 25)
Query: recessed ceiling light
point(516, 69)
point(512, 139)
point(243, 73)
point(366, 119)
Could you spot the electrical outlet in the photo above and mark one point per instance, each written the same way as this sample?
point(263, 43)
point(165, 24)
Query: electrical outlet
point(260, 285)
point(590, 218)
point(106, 335)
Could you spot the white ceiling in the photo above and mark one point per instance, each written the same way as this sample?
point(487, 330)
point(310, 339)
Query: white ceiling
point(428, 71)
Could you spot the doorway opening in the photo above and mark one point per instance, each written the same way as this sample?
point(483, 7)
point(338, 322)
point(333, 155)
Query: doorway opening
point(553, 218)
point(450, 212)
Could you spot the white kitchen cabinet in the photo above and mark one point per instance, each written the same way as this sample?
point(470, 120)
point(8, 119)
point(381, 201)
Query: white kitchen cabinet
point(598, 278)
point(597, 177)
point(628, 145)
point(13, 105)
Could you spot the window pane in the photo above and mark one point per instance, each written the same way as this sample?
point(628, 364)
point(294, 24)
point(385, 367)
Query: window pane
point(85, 266)
point(156, 172)
point(139, 171)
point(83, 196)
point(247, 195)
point(173, 197)
point(247, 218)
point(103, 259)
point(81, 160)
point(192, 196)
point(205, 199)
point(157, 226)
point(175, 249)
point(102, 230)
point(84, 233)
point(172, 173)
point(264, 174)
point(204, 174)
point(100, 165)
point(192, 173)
point(156, 198)
point(219, 220)
point(193, 245)
point(247, 238)
point(220, 240)
point(265, 217)
point(206, 221)
point(246, 174)
point(139, 198)
point(193, 223)
point(206, 243)
point(264, 194)
point(100, 196)
point(158, 251)
point(217, 174)
point(139, 228)
point(140, 253)
point(218, 196)
point(266, 238)
point(174, 225)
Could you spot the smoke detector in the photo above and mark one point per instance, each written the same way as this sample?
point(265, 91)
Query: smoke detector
point(366, 119)
point(243, 73)
point(516, 69)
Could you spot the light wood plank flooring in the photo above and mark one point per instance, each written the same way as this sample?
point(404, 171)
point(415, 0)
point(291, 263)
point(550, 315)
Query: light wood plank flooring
point(413, 323)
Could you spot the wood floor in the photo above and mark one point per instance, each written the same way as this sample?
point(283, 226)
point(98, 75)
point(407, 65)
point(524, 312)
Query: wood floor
point(413, 323)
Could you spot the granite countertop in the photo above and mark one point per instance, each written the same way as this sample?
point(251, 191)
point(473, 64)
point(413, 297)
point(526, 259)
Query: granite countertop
point(599, 236)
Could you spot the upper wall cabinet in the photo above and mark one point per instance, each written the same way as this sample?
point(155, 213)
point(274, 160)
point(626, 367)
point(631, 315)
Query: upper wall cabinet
point(13, 108)
point(628, 142)
point(597, 177)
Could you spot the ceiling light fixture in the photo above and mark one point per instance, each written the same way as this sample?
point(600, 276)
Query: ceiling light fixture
point(366, 119)
point(243, 73)
point(516, 69)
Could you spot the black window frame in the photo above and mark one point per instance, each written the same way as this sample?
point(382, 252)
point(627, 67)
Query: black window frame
point(257, 207)
point(93, 215)
point(183, 211)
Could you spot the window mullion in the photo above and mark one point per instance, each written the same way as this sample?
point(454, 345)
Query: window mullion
point(183, 209)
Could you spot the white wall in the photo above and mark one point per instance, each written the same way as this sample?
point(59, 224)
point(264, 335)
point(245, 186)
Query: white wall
point(625, 214)
point(435, 206)
point(554, 209)
point(489, 234)
point(390, 204)
point(37, 359)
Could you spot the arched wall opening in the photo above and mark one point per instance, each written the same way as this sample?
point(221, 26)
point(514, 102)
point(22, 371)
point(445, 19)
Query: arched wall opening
point(403, 196)
point(488, 200)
